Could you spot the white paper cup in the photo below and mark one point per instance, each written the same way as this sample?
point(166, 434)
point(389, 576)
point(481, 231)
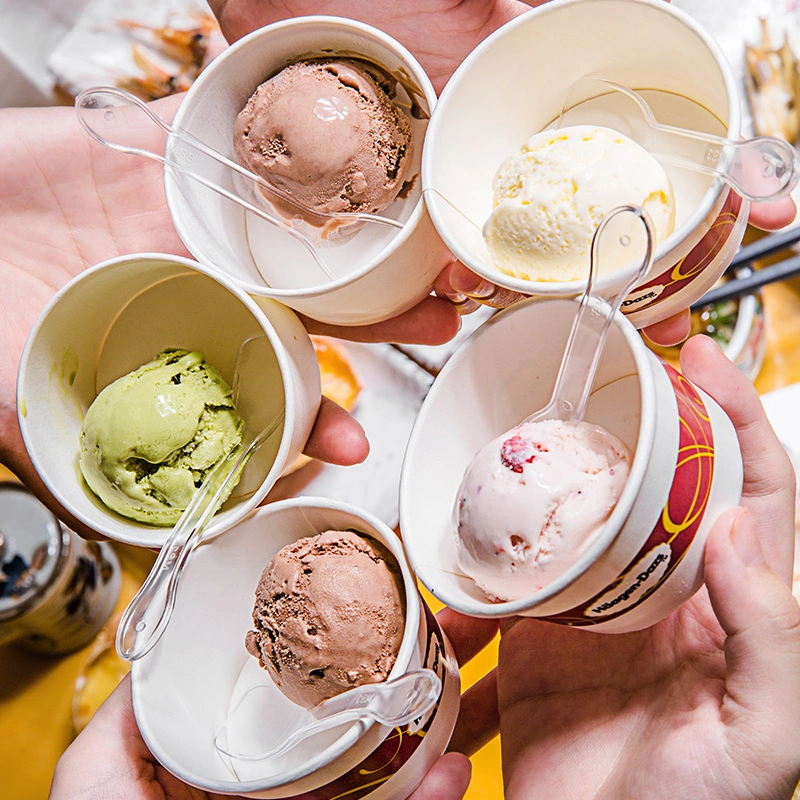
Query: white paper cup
point(514, 85)
point(381, 271)
point(115, 317)
point(686, 470)
point(185, 688)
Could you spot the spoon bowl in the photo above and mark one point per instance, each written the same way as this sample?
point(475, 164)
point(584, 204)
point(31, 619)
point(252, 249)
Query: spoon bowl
point(590, 327)
point(763, 168)
point(391, 703)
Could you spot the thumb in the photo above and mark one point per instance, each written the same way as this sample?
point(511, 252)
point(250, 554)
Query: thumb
point(761, 619)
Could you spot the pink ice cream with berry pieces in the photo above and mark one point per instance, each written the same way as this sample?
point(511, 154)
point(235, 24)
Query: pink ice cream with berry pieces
point(533, 500)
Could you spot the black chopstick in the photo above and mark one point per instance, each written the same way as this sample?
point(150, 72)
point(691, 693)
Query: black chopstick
point(736, 287)
point(432, 371)
point(765, 246)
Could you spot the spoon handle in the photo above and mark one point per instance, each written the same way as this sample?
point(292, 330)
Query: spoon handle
point(589, 330)
point(392, 703)
point(120, 128)
point(146, 617)
point(602, 313)
point(761, 168)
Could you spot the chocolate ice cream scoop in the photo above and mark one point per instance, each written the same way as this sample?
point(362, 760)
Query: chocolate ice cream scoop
point(327, 134)
point(329, 615)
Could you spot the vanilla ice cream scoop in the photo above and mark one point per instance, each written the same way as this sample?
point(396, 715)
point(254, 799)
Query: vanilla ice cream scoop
point(532, 501)
point(326, 133)
point(550, 197)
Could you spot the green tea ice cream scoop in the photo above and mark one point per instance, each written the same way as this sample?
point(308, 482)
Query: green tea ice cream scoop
point(151, 437)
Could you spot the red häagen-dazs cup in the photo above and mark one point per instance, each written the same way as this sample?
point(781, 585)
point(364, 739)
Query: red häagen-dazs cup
point(686, 470)
point(192, 683)
point(516, 83)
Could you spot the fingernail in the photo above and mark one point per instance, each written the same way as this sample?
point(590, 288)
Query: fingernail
point(745, 539)
point(467, 307)
point(462, 304)
point(485, 290)
point(453, 297)
point(472, 285)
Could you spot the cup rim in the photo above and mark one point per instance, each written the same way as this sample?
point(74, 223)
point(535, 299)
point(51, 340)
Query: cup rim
point(152, 535)
point(717, 189)
point(616, 521)
point(354, 732)
point(175, 204)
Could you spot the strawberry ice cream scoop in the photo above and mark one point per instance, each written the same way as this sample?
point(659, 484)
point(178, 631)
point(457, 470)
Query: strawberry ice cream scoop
point(533, 500)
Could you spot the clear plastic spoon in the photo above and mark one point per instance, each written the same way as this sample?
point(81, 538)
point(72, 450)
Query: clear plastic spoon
point(392, 703)
point(121, 121)
point(148, 614)
point(762, 168)
point(590, 328)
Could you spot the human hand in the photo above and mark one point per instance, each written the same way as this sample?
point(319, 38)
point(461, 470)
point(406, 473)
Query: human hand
point(705, 704)
point(110, 758)
point(67, 203)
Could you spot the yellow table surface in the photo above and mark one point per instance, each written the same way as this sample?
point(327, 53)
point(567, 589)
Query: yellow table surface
point(36, 691)
point(36, 694)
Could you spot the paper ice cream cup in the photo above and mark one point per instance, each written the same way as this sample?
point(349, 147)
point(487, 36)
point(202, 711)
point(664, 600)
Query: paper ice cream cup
point(379, 272)
point(115, 317)
point(686, 470)
point(515, 83)
point(185, 688)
